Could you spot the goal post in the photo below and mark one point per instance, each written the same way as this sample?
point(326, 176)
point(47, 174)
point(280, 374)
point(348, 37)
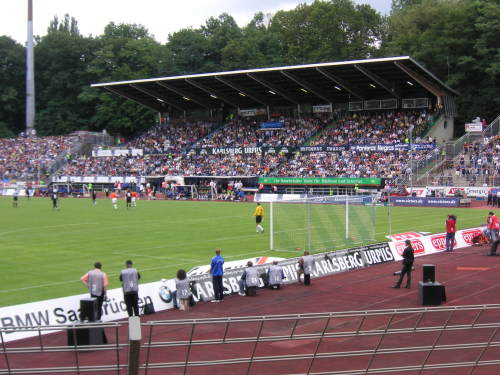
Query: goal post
point(322, 223)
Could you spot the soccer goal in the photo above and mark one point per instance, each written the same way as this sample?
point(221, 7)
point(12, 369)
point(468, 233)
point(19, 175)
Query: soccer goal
point(322, 223)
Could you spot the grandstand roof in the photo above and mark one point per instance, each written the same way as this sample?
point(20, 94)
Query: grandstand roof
point(322, 83)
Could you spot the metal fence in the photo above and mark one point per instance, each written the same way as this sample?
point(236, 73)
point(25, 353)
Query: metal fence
point(49, 352)
point(358, 342)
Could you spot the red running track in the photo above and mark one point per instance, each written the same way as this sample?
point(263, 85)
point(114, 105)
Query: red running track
point(470, 278)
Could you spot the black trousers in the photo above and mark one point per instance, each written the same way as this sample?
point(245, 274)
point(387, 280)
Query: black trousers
point(494, 245)
point(100, 300)
point(218, 287)
point(132, 303)
point(406, 270)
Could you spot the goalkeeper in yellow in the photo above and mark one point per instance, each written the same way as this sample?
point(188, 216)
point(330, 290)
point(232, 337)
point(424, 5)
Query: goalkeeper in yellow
point(259, 213)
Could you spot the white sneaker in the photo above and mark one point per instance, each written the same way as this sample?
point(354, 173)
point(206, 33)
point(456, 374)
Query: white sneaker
point(241, 294)
point(215, 300)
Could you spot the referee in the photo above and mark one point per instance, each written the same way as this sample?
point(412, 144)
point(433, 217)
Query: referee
point(130, 283)
point(259, 213)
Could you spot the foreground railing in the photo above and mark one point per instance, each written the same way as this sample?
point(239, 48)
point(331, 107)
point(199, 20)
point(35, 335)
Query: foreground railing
point(355, 342)
point(361, 342)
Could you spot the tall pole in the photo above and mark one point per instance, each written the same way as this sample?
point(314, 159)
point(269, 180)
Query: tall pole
point(30, 76)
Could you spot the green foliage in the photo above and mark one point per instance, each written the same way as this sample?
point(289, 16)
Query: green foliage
point(456, 39)
point(12, 79)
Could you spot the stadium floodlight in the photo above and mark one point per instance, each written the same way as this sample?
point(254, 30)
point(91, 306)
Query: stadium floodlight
point(322, 223)
point(30, 75)
point(372, 85)
point(338, 88)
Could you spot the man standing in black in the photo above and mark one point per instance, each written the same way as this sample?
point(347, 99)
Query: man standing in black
point(130, 283)
point(54, 200)
point(94, 197)
point(128, 196)
point(408, 259)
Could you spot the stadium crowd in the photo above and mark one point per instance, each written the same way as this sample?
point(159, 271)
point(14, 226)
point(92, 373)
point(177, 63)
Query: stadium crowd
point(29, 158)
point(381, 128)
point(171, 138)
point(248, 133)
point(185, 149)
point(479, 160)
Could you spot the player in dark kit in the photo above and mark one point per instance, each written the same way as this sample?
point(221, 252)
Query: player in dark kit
point(128, 196)
point(15, 199)
point(94, 197)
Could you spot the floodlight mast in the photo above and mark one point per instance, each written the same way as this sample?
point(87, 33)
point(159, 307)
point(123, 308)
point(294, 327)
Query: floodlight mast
point(30, 76)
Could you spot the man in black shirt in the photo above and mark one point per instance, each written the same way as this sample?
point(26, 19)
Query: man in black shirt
point(408, 259)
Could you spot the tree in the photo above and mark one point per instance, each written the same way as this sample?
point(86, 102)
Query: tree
point(12, 82)
point(123, 52)
point(61, 58)
point(457, 40)
point(327, 31)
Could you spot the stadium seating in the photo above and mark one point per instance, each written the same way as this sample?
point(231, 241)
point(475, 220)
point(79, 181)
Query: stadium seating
point(187, 148)
point(29, 158)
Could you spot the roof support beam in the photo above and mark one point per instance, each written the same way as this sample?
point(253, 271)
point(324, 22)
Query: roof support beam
point(185, 94)
point(157, 96)
point(154, 107)
point(309, 86)
point(342, 83)
point(421, 80)
point(388, 86)
point(242, 90)
point(273, 88)
point(213, 92)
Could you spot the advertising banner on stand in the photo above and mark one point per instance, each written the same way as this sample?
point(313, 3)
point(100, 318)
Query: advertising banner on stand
point(424, 202)
point(434, 243)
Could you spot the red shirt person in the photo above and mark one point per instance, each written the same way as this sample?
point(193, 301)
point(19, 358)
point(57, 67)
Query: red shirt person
point(451, 228)
point(493, 226)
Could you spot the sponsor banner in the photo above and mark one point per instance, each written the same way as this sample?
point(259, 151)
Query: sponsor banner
point(425, 202)
point(252, 112)
point(304, 198)
point(118, 152)
point(470, 191)
point(434, 243)
point(319, 181)
point(233, 265)
point(98, 179)
point(474, 127)
point(325, 108)
point(241, 150)
point(328, 263)
point(262, 197)
point(66, 310)
point(405, 236)
point(419, 192)
point(272, 125)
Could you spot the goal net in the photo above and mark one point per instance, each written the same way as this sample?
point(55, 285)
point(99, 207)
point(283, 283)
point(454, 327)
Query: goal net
point(322, 223)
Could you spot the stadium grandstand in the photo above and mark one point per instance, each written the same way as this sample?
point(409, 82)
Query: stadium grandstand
point(308, 120)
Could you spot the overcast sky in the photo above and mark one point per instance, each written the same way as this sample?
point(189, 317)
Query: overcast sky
point(160, 17)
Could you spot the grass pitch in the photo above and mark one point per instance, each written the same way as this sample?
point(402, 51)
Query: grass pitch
point(45, 252)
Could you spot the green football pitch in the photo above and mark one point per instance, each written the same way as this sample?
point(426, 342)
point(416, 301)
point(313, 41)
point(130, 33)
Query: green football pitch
point(45, 252)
